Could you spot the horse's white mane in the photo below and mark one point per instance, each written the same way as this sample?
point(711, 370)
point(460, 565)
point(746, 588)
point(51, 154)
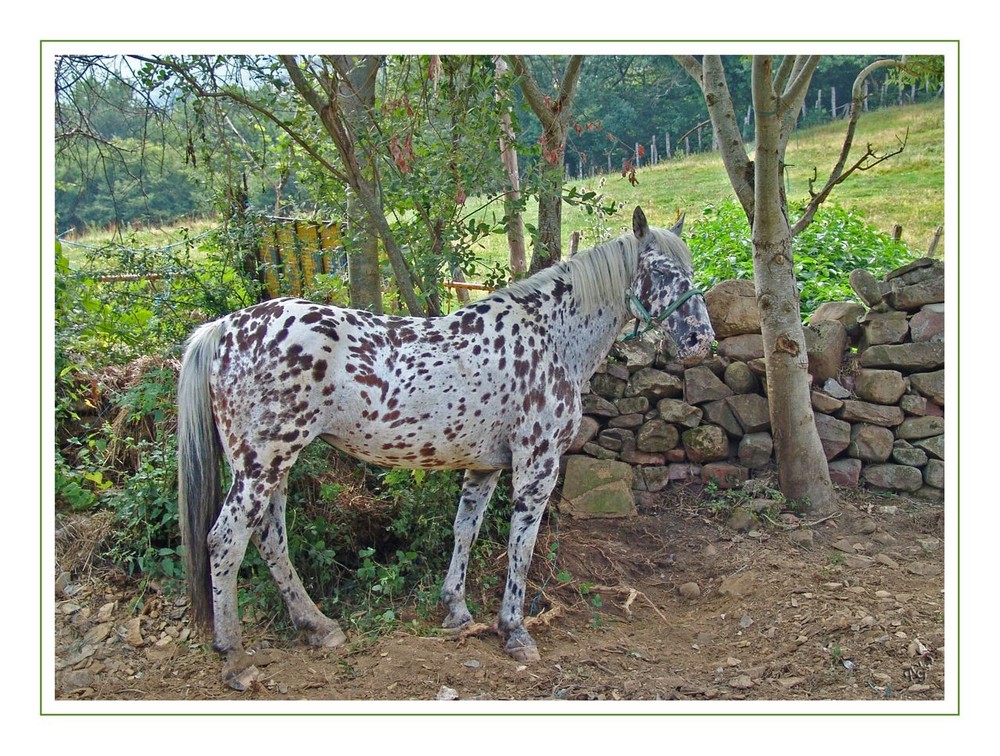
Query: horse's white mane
point(601, 275)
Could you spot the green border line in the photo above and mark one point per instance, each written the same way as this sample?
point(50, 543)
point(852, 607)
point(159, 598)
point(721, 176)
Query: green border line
point(956, 671)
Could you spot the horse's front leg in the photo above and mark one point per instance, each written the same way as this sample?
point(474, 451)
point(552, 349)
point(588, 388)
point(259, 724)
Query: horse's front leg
point(533, 483)
point(477, 489)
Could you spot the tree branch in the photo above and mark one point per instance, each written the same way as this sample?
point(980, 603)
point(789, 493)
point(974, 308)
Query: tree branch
point(837, 174)
point(692, 65)
point(548, 113)
point(247, 103)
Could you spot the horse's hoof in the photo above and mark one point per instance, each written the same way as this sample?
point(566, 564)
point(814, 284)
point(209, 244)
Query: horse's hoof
point(332, 639)
point(526, 654)
point(241, 679)
point(456, 621)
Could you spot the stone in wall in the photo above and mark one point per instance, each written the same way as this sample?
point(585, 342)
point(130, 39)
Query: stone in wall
point(870, 443)
point(718, 413)
point(751, 410)
point(934, 446)
point(883, 328)
point(657, 435)
point(879, 386)
point(679, 413)
point(706, 443)
point(654, 384)
point(826, 343)
point(597, 488)
point(732, 308)
point(928, 324)
point(834, 434)
point(755, 450)
point(866, 286)
point(745, 347)
point(702, 385)
point(916, 287)
point(846, 313)
point(913, 428)
point(909, 358)
point(855, 411)
point(893, 477)
point(930, 385)
point(740, 378)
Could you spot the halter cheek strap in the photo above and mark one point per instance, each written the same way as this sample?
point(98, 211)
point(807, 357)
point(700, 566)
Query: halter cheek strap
point(642, 314)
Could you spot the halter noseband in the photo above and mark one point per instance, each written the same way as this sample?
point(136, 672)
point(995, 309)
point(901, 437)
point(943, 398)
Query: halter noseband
point(651, 322)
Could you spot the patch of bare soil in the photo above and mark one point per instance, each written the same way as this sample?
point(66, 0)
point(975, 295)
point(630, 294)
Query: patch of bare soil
point(676, 603)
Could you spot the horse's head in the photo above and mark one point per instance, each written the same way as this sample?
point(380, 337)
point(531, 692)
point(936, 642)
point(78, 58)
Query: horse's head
point(663, 286)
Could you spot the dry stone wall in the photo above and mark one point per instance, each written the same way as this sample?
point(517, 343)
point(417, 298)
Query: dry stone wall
point(877, 369)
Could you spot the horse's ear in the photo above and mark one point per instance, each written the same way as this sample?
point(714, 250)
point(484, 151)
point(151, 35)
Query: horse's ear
point(639, 225)
point(678, 226)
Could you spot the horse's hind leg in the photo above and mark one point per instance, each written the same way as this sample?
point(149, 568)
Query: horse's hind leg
point(227, 543)
point(272, 542)
point(476, 492)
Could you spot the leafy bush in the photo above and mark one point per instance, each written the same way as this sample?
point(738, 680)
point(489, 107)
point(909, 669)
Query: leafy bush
point(835, 243)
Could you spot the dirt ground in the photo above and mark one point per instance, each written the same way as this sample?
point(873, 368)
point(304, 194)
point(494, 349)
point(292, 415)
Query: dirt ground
point(677, 603)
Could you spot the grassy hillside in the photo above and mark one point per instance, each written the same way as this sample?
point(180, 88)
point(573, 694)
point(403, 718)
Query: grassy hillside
point(907, 189)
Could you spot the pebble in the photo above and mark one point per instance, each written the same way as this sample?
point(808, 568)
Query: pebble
point(77, 679)
point(447, 694)
point(689, 590)
point(130, 632)
point(844, 546)
point(865, 526)
point(929, 544)
point(62, 583)
point(97, 633)
point(741, 682)
point(740, 520)
point(856, 561)
point(472, 664)
point(802, 537)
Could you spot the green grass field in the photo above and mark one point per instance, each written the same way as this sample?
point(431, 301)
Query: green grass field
point(907, 190)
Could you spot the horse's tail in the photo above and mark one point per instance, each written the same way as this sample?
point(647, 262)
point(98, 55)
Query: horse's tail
point(199, 484)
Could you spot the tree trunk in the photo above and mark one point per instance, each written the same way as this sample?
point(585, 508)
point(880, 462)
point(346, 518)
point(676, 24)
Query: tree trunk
point(554, 113)
point(548, 243)
point(802, 468)
point(363, 280)
point(512, 196)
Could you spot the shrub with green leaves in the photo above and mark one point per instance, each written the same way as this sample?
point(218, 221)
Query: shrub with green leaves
point(825, 252)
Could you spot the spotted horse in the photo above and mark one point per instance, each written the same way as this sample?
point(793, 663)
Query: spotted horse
point(493, 386)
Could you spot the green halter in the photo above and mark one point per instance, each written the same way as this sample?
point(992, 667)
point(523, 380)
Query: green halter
point(648, 319)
